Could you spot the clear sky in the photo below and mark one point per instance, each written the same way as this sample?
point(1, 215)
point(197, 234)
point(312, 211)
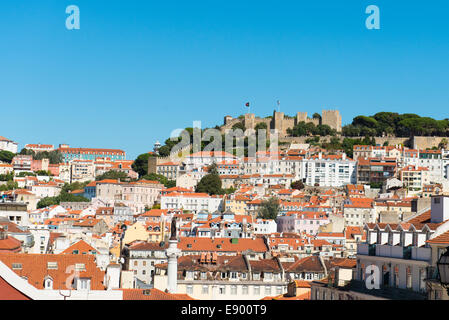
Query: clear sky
point(138, 69)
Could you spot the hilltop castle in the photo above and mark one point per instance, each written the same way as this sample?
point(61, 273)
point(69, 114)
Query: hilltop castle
point(279, 121)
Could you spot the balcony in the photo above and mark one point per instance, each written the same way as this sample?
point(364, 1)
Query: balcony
point(397, 252)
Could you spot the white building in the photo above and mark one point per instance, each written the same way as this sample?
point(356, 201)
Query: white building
point(194, 202)
point(206, 158)
point(399, 255)
point(329, 170)
point(265, 226)
point(8, 145)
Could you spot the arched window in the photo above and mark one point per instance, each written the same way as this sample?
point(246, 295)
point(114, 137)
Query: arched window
point(48, 283)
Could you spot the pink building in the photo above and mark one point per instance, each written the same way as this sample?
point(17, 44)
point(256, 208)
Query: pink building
point(301, 221)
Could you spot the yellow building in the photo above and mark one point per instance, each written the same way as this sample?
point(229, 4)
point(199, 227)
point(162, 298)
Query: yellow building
point(237, 205)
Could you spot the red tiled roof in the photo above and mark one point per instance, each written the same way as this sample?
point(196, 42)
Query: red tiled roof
point(152, 294)
point(35, 268)
point(81, 246)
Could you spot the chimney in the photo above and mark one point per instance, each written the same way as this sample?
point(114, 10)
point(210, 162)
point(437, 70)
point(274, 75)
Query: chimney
point(439, 208)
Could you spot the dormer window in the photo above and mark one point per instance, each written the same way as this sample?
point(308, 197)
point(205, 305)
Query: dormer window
point(48, 283)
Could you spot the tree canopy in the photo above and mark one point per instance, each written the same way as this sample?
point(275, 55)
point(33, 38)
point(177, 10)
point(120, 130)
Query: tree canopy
point(269, 209)
point(140, 165)
point(308, 128)
point(65, 195)
point(298, 185)
point(157, 177)
point(400, 125)
point(6, 156)
point(113, 174)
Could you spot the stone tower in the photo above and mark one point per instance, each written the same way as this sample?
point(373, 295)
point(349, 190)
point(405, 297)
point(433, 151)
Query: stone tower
point(227, 119)
point(301, 117)
point(278, 121)
point(250, 121)
point(332, 118)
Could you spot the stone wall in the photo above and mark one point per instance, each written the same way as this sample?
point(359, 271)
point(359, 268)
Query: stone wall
point(426, 142)
point(279, 121)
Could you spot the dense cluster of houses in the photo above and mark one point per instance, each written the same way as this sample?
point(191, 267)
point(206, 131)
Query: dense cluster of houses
point(335, 218)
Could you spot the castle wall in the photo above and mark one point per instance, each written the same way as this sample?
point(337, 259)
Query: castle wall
point(332, 118)
point(419, 142)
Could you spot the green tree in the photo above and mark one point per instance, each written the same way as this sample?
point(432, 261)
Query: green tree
point(6, 156)
point(7, 176)
point(113, 174)
point(54, 157)
point(443, 144)
point(298, 185)
point(158, 177)
point(210, 183)
point(10, 185)
point(26, 174)
point(316, 115)
point(63, 197)
point(269, 209)
point(69, 187)
point(43, 173)
point(27, 152)
point(239, 125)
point(260, 125)
point(164, 151)
point(140, 165)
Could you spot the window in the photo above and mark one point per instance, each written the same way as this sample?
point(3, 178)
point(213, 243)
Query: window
point(16, 266)
point(278, 290)
point(245, 290)
point(80, 267)
point(83, 284)
point(203, 275)
point(48, 284)
point(256, 290)
point(268, 290)
point(205, 290)
point(52, 265)
point(189, 289)
point(222, 290)
point(234, 290)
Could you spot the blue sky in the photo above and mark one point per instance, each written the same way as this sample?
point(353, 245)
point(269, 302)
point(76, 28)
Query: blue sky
point(138, 69)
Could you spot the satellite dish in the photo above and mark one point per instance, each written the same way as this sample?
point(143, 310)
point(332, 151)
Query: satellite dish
point(122, 260)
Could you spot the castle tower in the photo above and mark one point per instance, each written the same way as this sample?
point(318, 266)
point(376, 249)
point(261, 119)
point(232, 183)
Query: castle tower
point(332, 118)
point(278, 119)
point(172, 253)
point(227, 119)
point(301, 117)
point(250, 120)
